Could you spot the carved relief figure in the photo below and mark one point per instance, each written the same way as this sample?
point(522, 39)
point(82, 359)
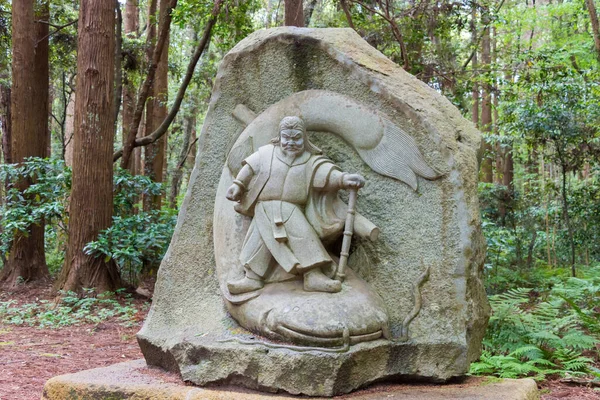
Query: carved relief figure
point(287, 280)
point(290, 190)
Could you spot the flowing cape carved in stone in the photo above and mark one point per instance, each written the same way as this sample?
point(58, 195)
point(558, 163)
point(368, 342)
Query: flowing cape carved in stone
point(384, 146)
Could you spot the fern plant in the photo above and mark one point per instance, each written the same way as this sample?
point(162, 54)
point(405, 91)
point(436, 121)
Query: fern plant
point(540, 334)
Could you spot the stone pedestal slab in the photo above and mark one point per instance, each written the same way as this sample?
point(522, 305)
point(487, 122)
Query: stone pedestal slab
point(134, 380)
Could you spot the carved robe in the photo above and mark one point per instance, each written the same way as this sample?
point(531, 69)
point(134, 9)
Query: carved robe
point(277, 198)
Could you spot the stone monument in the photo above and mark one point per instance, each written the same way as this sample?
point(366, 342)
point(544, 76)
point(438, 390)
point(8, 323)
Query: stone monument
point(330, 235)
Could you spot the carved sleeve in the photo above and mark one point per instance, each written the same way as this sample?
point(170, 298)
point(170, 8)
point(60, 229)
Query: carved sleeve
point(244, 177)
point(327, 177)
point(250, 167)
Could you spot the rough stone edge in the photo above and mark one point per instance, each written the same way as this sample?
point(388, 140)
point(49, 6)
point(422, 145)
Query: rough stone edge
point(465, 138)
point(127, 381)
point(471, 137)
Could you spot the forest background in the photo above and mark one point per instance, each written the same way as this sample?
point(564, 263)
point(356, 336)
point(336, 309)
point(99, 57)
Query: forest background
point(99, 139)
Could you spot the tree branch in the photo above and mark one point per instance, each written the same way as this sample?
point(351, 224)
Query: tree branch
point(58, 28)
point(128, 146)
point(164, 126)
point(477, 39)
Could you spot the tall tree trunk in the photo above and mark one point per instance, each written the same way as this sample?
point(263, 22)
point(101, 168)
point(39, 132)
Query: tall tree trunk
point(294, 13)
point(474, 65)
point(29, 124)
point(129, 90)
point(5, 142)
point(595, 26)
point(486, 104)
point(5, 127)
point(154, 154)
point(69, 131)
point(310, 8)
point(92, 194)
point(118, 63)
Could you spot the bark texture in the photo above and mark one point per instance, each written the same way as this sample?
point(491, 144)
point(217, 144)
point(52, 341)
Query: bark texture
point(595, 25)
point(474, 64)
point(5, 128)
point(91, 197)
point(29, 126)
point(129, 90)
point(486, 103)
point(294, 13)
point(156, 112)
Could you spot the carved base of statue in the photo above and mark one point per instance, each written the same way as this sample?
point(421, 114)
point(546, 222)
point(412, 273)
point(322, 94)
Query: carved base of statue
point(285, 311)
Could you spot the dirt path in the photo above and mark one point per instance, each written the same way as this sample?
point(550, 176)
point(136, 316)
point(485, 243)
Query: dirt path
point(29, 356)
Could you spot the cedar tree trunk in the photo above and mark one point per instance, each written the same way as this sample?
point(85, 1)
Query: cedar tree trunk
point(486, 103)
point(92, 189)
point(154, 154)
point(129, 89)
point(293, 13)
point(29, 124)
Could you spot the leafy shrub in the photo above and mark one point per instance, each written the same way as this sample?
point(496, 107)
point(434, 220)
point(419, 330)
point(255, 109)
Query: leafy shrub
point(44, 200)
point(135, 238)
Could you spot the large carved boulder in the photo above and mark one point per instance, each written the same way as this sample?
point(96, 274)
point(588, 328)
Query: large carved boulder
point(413, 304)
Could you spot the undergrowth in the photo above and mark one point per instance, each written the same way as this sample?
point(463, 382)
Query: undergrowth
point(537, 334)
point(72, 310)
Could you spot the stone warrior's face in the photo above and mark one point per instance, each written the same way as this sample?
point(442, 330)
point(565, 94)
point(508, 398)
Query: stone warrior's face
point(292, 141)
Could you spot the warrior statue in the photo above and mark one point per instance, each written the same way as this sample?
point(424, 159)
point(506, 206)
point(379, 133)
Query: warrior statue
point(290, 190)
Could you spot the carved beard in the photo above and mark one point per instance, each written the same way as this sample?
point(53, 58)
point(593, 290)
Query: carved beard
point(292, 150)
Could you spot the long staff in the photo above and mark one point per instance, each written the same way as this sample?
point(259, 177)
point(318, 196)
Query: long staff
point(348, 230)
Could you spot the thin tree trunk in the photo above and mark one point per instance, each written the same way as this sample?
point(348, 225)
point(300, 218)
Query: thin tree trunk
point(567, 218)
point(5, 143)
point(474, 65)
point(132, 130)
point(486, 105)
point(310, 8)
point(294, 13)
point(118, 67)
point(92, 188)
point(154, 154)
point(69, 131)
point(162, 129)
point(29, 124)
point(129, 89)
point(595, 26)
point(5, 118)
point(530, 250)
point(345, 7)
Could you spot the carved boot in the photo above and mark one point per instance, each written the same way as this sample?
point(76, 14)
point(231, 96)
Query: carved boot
point(249, 283)
point(316, 281)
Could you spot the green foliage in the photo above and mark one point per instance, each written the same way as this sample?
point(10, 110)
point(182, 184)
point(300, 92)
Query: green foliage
point(73, 310)
point(44, 199)
point(135, 238)
point(538, 334)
